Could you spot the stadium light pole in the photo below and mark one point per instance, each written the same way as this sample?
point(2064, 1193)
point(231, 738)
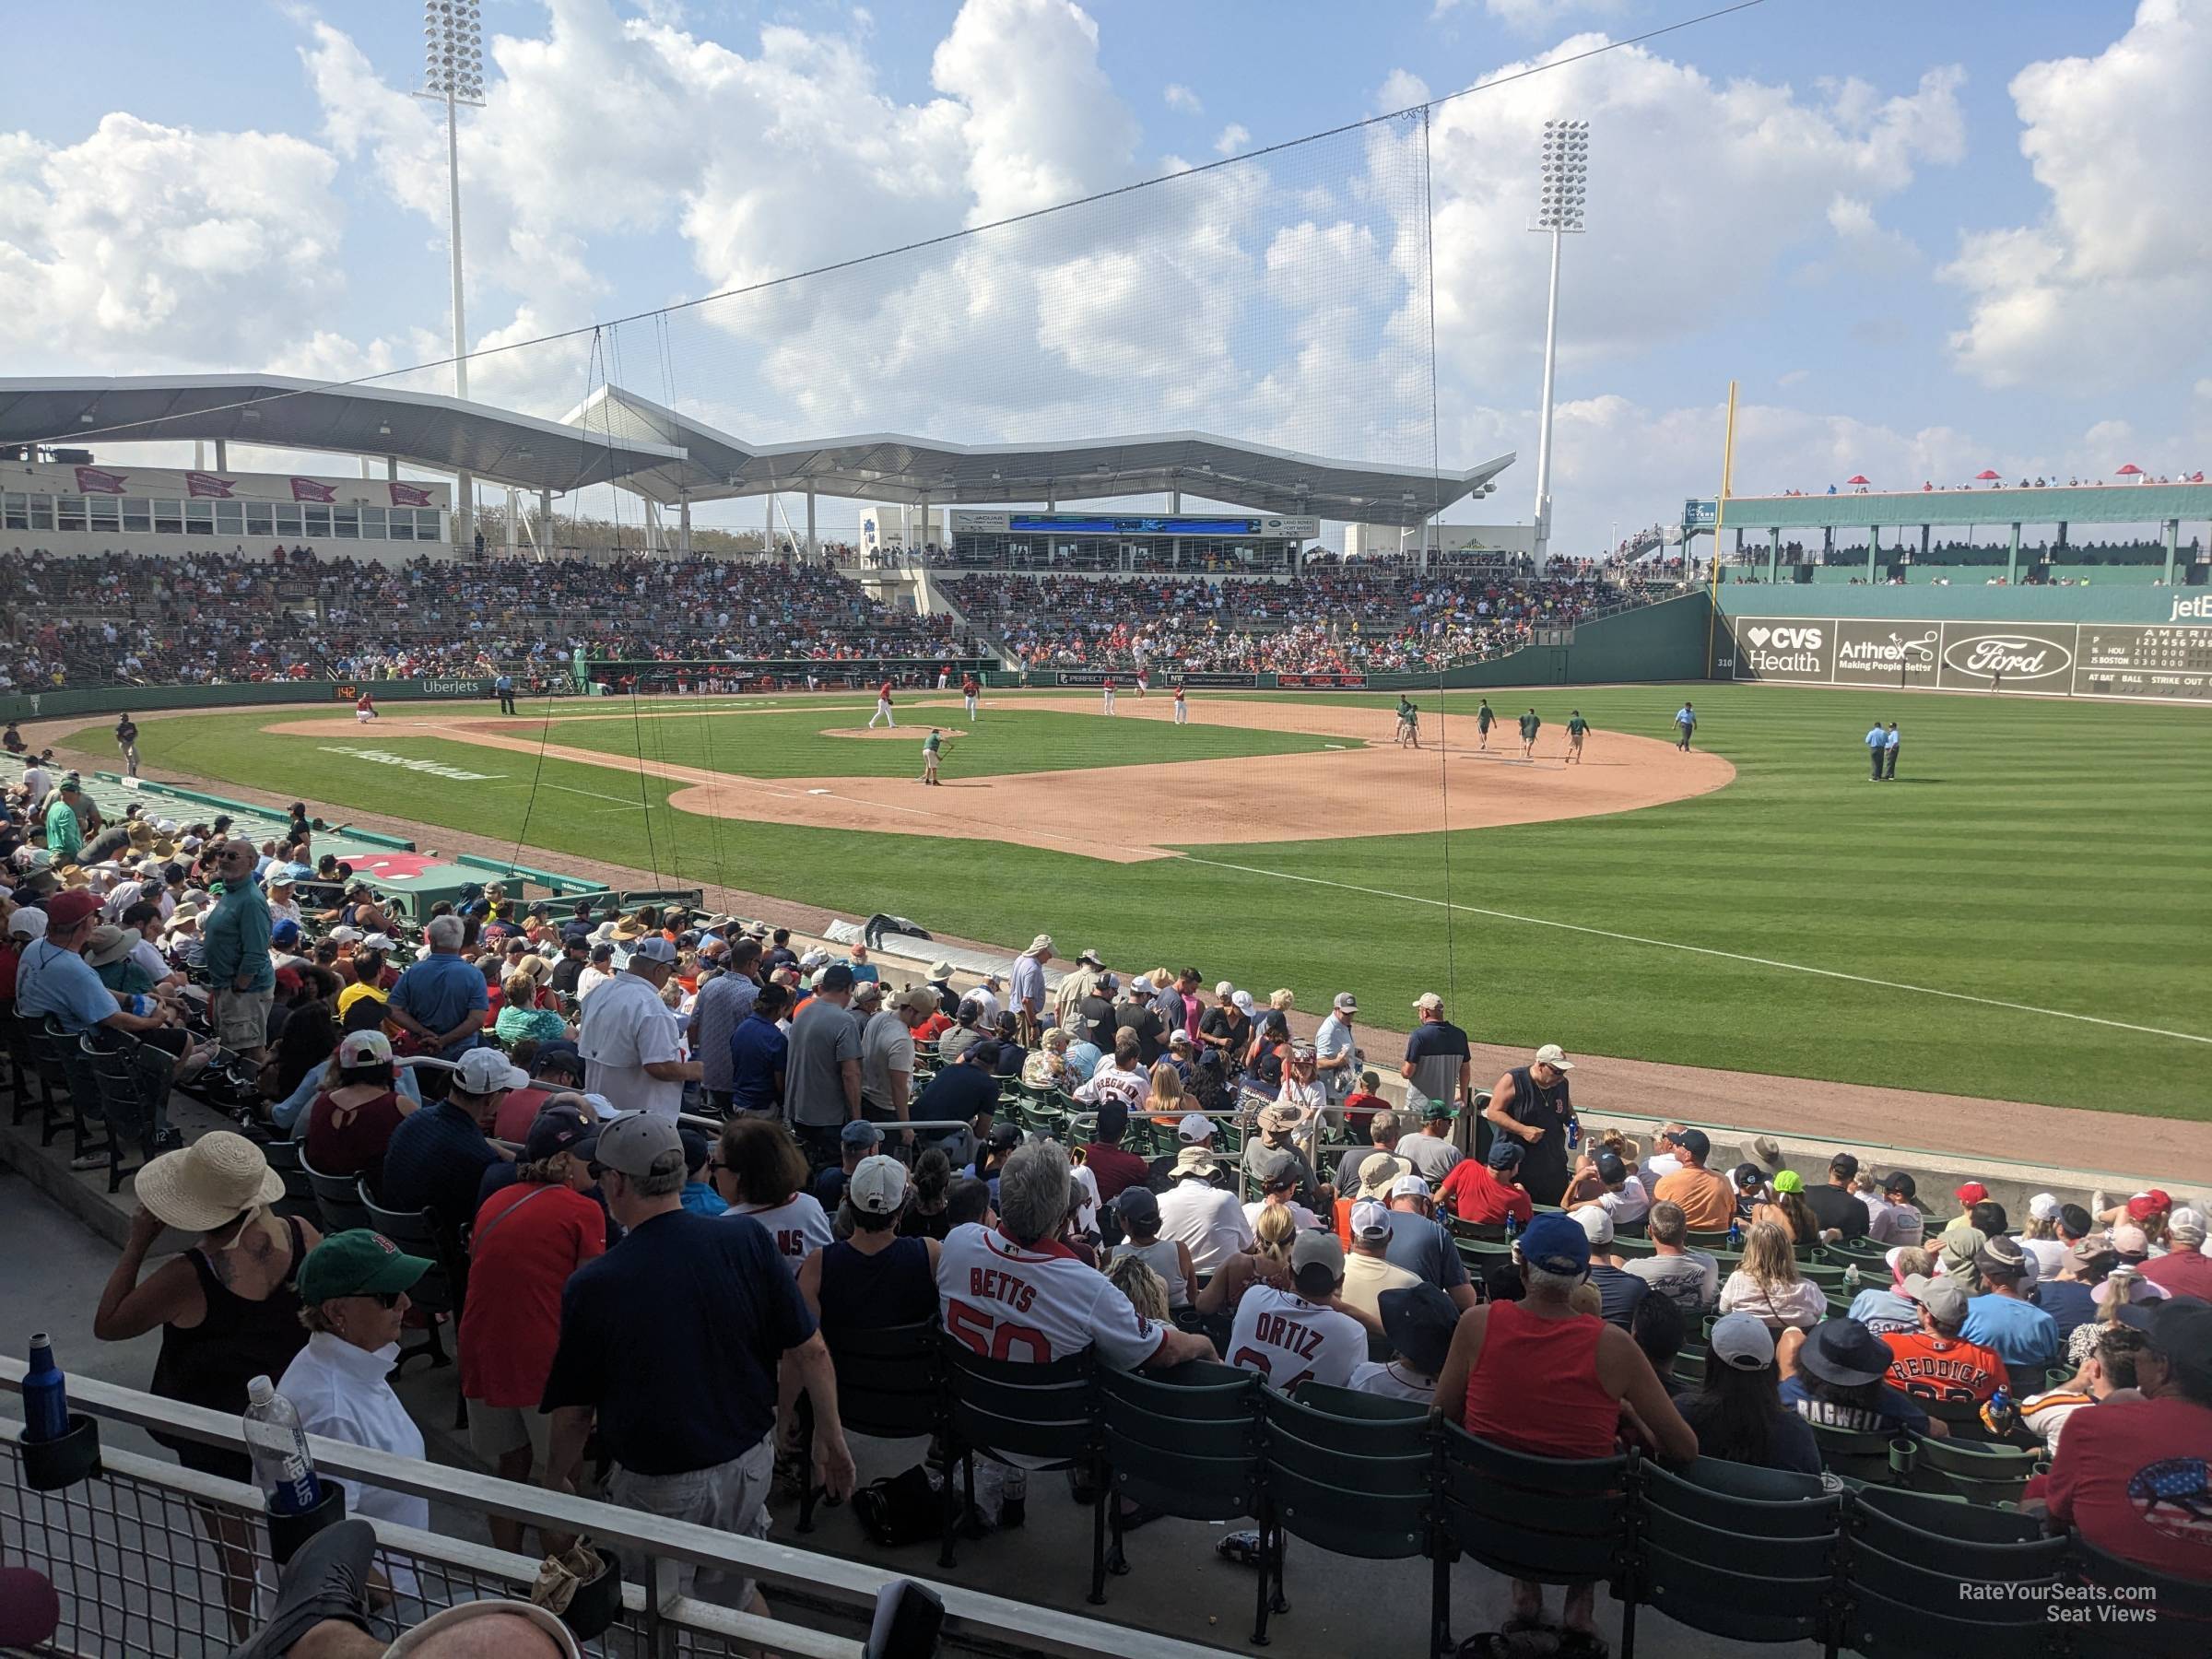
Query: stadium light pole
point(452, 73)
point(1561, 176)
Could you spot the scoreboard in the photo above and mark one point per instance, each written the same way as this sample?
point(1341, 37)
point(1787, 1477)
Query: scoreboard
point(2163, 661)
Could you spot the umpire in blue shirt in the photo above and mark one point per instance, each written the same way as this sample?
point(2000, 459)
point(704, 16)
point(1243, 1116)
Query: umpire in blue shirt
point(672, 1340)
point(1876, 746)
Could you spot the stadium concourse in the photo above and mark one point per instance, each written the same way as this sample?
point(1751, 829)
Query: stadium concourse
point(632, 1163)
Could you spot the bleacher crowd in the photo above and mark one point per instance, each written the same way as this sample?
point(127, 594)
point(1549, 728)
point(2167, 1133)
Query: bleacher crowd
point(1332, 619)
point(224, 617)
point(655, 1172)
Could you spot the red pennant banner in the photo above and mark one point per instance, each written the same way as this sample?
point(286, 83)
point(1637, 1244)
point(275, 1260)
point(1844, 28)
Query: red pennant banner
point(91, 480)
point(307, 489)
point(198, 484)
point(409, 494)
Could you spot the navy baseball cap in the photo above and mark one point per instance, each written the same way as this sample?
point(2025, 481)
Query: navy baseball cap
point(1505, 1151)
point(836, 977)
point(1556, 1244)
point(561, 1129)
point(859, 1132)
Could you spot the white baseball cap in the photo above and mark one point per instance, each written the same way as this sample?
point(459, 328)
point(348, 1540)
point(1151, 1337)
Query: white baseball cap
point(380, 941)
point(485, 1071)
point(1743, 1342)
point(1553, 1055)
point(2045, 1207)
point(1426, 1000)
point(1409, 1186)
point(1370, 1220)
point(28, 923)
point(878, 1185)
point(1346, 1003)
point(364, 1047)
point(1598, 1226)
point(1194, 1126)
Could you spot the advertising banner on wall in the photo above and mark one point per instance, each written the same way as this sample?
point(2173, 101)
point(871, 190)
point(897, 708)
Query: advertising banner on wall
point(2045, 659)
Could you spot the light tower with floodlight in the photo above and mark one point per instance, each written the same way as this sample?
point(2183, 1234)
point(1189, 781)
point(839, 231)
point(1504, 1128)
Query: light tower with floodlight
point(1563, 176)
point(452, 73)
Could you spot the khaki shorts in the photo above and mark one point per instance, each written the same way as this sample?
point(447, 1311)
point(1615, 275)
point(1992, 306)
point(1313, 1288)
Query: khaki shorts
point(731, 1497)
point(495, 1431)
point(242, 1017)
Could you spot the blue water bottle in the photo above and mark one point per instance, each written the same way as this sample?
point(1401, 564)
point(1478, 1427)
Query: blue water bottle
point(1736, 1235)
point(45, 1394)
point(1513, 1227)
point(2001, 1416)
point(1575, 1133)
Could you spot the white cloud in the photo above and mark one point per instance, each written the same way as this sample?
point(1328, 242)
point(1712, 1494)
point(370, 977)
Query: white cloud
point(1666, 144)
point(1793, 377)
point(1232, 138)
point(145, 246)
point(1179, 97)
point(2111, 281)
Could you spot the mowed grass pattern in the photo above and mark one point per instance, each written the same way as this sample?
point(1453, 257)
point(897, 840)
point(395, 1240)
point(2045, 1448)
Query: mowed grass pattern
point(1001, 741)
point(2041, 853)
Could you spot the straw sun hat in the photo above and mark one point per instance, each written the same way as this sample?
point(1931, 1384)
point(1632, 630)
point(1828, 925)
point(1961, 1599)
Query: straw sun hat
point(209, 1183)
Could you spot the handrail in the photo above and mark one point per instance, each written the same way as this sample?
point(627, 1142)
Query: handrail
point(1035, 1627)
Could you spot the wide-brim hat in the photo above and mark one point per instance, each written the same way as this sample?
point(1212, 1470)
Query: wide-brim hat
point(1379, 1172)
point(216, 1180)
point(1195, 1160)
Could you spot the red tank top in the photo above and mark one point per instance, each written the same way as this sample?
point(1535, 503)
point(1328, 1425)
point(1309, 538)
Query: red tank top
point(1534, 1387)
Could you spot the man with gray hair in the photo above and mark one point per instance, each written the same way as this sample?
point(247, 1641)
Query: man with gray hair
point(1016, 1293)
point(631, 1040)
point(671, 1342)
point(441, 1000)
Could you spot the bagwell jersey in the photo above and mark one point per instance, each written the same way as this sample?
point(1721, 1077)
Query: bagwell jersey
point(1289, 1340)
point(1009, 1301)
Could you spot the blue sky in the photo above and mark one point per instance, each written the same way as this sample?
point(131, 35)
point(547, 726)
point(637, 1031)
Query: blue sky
point(1828, 203)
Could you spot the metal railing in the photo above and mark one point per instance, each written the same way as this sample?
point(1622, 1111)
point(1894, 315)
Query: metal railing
point(132, 1553)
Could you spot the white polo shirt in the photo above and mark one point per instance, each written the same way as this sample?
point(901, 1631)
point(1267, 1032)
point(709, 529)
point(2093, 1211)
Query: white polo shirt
point(625, 1027)
point(1207, 1218)
point(341, 1391)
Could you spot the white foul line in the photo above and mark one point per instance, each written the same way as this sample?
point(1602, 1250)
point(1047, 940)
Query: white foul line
point(1861, 979)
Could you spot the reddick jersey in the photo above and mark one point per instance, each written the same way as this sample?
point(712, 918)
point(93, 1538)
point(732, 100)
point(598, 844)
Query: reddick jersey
point(1009, 1301)
point(1289, 1340)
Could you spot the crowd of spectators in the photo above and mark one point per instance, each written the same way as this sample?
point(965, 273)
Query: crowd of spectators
point(226, 618)
point(522, 1080)
point(1331, 618)
point(2130, 474)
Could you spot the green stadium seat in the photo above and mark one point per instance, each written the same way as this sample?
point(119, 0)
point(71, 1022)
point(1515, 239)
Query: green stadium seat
point(1979, 1471)
point(1048, 1412)
point(888, 1386)
point(1866, 1455)
point(1719, 1556)
point(2181, 1629)
point(1908, 1560)
point(1185, 1443)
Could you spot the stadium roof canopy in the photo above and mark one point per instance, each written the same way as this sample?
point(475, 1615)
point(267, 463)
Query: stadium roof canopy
point(616, 437)
point(888, 467)
point(420, 428)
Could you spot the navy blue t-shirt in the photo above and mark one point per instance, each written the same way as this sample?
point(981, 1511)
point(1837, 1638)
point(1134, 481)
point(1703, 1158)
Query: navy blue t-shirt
point(675, 1335)
point(1423, 1246)
point(436, 1161)
point(2069, 1303)
point(956, 1093)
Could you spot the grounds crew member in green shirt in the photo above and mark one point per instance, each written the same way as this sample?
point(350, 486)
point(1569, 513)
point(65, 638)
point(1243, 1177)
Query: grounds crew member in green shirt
point(236, 938)
point(1410, 723)
point(932, 746)
point(1577, 729)
point(1484, 721)
point(65, 831)
point(1530, 726)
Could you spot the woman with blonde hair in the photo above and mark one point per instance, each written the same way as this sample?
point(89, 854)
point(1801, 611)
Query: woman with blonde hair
point(521, 1017)
point(1165, 1103)
point(1767, 1285)
point(1273, 1231)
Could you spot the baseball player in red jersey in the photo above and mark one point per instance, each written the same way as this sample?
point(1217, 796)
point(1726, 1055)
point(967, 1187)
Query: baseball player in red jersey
point(1144, 681)
point(883, 707)
point(1106, 695)
point(1182, 707)
point(970, 688)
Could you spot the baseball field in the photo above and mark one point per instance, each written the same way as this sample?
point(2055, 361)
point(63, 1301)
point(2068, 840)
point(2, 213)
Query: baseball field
point(2025, 914)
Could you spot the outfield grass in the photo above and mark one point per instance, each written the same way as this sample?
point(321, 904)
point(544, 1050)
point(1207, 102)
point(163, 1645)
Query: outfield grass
point(2047, 853)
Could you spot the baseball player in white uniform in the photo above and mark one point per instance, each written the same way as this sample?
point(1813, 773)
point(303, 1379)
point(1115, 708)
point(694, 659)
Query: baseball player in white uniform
point(1297, 1337)
point(1106, 695)
point(1182, 707)
point(883, 707)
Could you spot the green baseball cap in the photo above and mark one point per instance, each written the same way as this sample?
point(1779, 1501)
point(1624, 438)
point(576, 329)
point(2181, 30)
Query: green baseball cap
point(359, 1263)
point(1436, 1112)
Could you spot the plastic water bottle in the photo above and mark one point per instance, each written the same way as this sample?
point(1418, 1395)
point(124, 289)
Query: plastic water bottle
point(1850, 1278)
point(283, 1467)
point(1513, 1227)
point(46, 1396)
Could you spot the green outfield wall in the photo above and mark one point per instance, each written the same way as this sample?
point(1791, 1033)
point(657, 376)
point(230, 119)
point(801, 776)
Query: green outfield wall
point(114, 699)
point(2144, 645)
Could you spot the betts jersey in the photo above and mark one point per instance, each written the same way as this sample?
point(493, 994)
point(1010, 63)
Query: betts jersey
point(1289, 1340)
point(1010, 1302)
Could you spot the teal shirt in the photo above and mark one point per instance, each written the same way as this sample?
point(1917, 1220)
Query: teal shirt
point(236, 938)
point(64, 834)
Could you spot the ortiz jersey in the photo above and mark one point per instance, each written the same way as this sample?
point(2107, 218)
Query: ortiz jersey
point(1289, 1340)
point(1009, 1301)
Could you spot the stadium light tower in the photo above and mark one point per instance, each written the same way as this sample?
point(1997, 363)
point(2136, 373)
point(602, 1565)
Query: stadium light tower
point(452, 73)
point(1564, 170)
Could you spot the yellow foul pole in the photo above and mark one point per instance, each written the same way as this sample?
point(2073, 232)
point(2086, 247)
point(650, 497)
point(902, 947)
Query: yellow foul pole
point(1720, 518)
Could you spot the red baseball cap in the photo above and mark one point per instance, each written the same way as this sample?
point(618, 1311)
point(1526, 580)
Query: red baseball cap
point(1973, 1192)
point(67, 908)
point(2139, 1209)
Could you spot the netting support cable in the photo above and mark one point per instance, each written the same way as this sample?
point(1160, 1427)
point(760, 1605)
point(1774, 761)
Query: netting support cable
point(1436, 478)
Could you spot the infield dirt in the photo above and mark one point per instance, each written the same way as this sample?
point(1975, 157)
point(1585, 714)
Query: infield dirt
point(1128, 814)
